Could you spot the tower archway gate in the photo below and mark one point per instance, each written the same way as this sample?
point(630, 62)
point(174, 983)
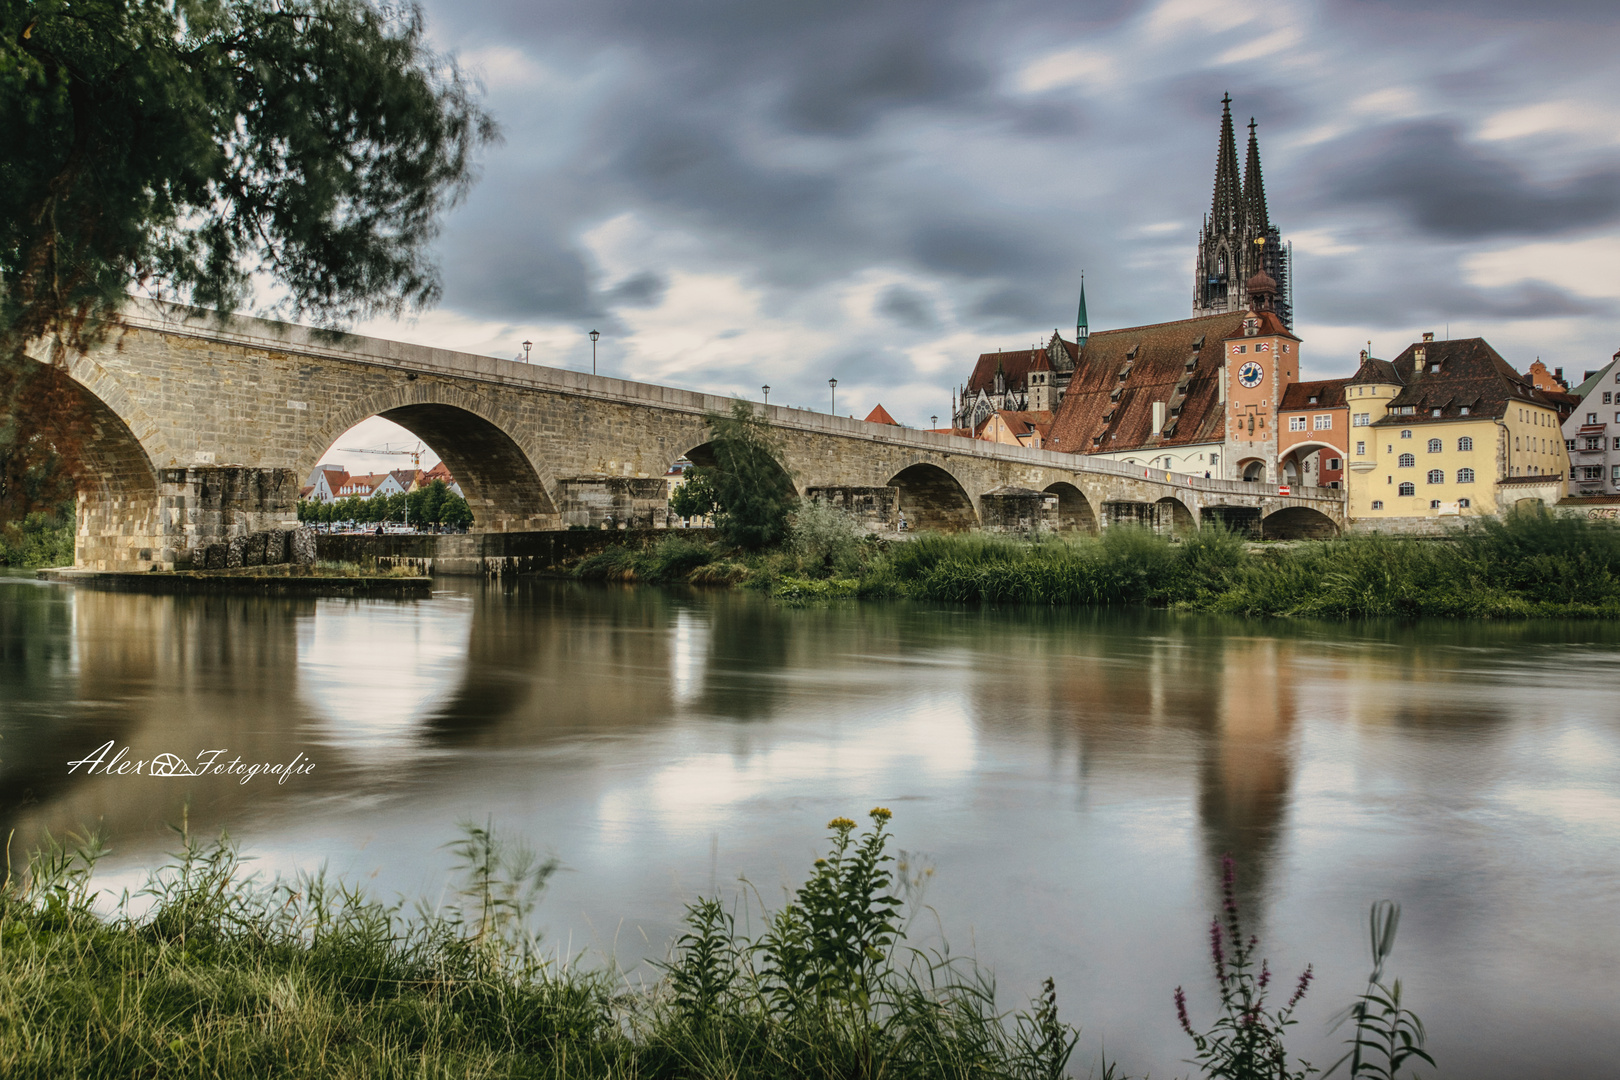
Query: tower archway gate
point(217, 422)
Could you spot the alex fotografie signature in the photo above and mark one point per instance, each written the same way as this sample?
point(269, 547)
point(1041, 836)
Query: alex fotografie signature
point(107, 762)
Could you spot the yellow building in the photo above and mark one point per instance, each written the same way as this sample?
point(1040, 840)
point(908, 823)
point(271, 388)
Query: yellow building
point(1436, 431)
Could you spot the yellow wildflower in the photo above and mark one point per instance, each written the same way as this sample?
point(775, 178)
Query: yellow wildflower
point(841, 824)
point(880, 813)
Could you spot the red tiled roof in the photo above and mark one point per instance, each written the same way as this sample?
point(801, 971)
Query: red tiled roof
point(1329, 394)
point(880, 415)
point(1015, 368)
point(1099, 403)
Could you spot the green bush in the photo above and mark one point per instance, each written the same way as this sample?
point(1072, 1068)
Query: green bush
point(40, 539)
point(826, 540)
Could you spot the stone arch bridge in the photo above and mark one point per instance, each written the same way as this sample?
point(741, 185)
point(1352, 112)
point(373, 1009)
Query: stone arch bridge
point(195, 430)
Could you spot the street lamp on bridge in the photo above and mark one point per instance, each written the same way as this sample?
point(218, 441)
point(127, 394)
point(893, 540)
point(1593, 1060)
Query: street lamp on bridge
point(594, 335)
point(833, 384)
point(767, 392)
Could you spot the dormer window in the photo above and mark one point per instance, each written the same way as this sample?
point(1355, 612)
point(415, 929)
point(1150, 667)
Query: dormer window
point(1312, 400)
point(1434, 369)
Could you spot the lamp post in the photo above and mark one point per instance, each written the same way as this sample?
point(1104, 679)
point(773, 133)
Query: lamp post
point(933, 421)
point(527, 345)
point(767, 392)
point(832, 385)
point(594, 335)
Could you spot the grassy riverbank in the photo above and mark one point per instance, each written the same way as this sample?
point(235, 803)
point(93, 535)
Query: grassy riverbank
point(227, 976)
point(1529, 566)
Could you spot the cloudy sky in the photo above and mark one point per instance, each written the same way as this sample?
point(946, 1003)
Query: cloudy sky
point(742, 192)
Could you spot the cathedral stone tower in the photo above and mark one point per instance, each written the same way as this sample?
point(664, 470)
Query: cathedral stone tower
point(1238, 240)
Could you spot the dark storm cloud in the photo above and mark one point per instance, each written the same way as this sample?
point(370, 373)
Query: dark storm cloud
point(1461, 191)
point(908, 307)
point(645, 289)
point(1388, 303)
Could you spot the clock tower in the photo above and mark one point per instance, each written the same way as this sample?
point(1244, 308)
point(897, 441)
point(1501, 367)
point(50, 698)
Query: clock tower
point(1259, 364)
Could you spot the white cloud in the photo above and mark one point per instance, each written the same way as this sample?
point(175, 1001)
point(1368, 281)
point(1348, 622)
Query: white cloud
point(1071, 67)
point(1588, 267)
point(1583, 118)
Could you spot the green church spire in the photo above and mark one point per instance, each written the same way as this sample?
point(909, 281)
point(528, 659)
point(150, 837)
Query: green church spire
point(1082, 328)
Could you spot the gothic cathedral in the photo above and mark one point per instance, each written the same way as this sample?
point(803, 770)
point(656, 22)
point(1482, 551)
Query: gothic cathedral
point(1238, 240)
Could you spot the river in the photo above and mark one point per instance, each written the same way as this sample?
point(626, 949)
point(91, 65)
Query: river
point(1072, 779)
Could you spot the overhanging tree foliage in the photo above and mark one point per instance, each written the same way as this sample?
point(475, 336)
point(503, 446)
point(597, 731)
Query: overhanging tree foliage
point(194, 149)
point(189, 145)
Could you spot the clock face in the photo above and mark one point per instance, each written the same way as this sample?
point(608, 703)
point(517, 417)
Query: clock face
point(1250, 374)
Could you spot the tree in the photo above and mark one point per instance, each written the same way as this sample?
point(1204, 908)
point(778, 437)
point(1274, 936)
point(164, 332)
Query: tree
point(694, 497)
point(190, 148)
point(753, 493)
point(188, 145)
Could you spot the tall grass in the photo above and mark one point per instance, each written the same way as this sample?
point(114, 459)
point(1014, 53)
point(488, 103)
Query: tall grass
point(1527, 565)
point(207, 972)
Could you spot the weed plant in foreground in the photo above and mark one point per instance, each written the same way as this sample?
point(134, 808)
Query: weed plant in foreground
point(221, 974)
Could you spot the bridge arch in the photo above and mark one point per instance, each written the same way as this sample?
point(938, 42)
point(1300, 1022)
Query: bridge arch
point(931, 498)
point(1298, 523)
point(504, 489)
point(1171, 515)
point(119, 508)
point(1291, 466)
point(1252, 470)
point(1074, 510)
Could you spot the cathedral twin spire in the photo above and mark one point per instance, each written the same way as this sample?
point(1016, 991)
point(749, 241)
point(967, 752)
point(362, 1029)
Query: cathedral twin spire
point(1238, 239)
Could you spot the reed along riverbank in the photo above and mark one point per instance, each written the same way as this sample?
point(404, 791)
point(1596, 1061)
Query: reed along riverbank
point(1528, 566)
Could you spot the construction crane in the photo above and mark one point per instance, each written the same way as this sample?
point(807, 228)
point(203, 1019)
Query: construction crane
point(414, 455)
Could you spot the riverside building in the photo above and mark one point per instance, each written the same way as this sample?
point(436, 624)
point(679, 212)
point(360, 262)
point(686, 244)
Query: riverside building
point(1448, 429)
point(1592, 433)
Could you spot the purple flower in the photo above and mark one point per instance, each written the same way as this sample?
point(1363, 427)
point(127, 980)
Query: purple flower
point(1181, 1011)
point(1299, 991)
point(1216, 951)
point(1265, 974)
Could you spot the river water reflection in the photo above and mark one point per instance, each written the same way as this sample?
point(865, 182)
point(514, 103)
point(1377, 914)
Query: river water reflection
point(1074, 778)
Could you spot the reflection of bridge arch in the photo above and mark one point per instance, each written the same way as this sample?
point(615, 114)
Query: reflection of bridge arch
point(931, 498)
point(1298, 523)
point(1074, 509)
point(503, 488)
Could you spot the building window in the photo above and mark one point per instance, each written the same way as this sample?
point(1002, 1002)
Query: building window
point(1591, 418)
point(1616, 476)
point(1569, 444)
point(1465, 443)
point(1214, 459)
point(1362, 419)
point(1378, 504)
point(1296, 423)
point(1408, 489)
point(1434, 504)
point(1465, 476)
point(1323, 423)
point(1437, 476)
point(1463, 411)
point(1608, 398)
point(1434, 446)
point(1592, 472)
point(1617, 443)
point(1407, 461)
point(1334, 464)
point(1406, 434)
point(1434, 412)
point(1464, 504)
point(1361, 449)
